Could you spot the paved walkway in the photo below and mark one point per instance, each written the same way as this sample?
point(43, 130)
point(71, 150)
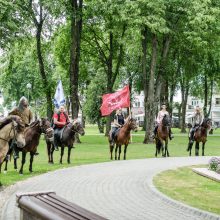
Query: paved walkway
point(115, 190)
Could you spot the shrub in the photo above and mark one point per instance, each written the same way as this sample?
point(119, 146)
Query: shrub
point(214, 163)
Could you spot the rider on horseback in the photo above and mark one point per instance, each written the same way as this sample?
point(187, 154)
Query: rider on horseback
point(24, 112)
point(159, 119)
point(197, 120)
point(60, 119)
point(119, 121)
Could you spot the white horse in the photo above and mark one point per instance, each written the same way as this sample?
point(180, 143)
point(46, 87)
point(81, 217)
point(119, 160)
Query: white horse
point(11, 127)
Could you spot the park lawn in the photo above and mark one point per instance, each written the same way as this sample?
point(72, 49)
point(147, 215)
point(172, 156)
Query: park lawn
point(94, 149)
point(190, 188)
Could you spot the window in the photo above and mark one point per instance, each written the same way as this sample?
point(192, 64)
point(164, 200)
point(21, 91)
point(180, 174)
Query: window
point(195, 102)
point(217, 101)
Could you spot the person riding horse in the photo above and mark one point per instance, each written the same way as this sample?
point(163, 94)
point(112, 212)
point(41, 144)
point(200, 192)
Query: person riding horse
point(60, 120)
point(197, 120)
point(159, 119)
point(24, 112)
point(119, 121)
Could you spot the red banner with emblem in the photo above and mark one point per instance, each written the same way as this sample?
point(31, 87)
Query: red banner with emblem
point(113, 101)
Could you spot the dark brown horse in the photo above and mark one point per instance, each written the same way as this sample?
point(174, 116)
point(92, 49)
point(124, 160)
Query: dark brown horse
point(32, 138)
point(200, 136)
point(122, 138)
point(162, 136)
point(11, 128)
point(68, 138)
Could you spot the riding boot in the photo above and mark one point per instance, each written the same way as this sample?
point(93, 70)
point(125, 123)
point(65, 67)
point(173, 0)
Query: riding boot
point(154, 132)
point(191, 139)
point(55, 145)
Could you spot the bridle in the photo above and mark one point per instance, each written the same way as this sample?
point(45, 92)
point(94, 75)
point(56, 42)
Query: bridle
point(12, 128)
point(75, 129)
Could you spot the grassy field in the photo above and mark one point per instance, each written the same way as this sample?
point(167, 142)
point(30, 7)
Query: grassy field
point(94, 149)
point(190, 188)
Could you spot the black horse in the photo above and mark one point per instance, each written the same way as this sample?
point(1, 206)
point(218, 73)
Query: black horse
point(67, 140)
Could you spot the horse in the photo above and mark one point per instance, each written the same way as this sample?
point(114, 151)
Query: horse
point(162, 136)
point(11, 128)
point(68, 138)
point(200, 135)
point(122, 137)
point(32, 138)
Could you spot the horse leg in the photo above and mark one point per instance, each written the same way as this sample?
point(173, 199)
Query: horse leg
point(6, 165)
point(203, 149)
point(119, 152)
point(61, 154)
point(15, 164)
point(31, 161)
point(69, 152)
point(22, 162)
point(116, 148)
point(49, 151)
point(197, 149)
point(166, 148)
point(111, 150)
point(125, 151)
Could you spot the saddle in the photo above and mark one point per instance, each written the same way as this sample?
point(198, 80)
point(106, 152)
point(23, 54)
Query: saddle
point(59, 134)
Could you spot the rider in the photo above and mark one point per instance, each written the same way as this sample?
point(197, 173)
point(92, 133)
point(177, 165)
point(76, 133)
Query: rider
point(119, 121)
point(197, 119)
point(24, 112)
point(159, 119)
point(60, 120)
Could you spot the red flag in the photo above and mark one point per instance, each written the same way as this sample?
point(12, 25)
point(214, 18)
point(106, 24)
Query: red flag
point(113, 101)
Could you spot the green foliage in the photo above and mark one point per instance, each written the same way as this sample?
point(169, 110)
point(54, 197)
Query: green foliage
point(94, 97)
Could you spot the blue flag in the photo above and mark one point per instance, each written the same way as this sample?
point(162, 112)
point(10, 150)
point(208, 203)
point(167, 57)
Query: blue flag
point(59, 98)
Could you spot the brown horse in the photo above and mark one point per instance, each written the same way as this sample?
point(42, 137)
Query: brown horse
point(122, 138)
point(68, 138)
point(32, 138)
point(200, 136)
point(162, 136)
point(11, 127)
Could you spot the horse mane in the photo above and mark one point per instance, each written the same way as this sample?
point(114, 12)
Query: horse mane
point(5, 121)
point(34, 123)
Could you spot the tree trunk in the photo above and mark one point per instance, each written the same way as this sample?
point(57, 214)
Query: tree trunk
point(46, 86)
point(185, 93)
point(110, 83)
point(205, 96)
point(151, 108)
point(76, 30)
point(144, 71)
point(210, 101)
point(100, 126)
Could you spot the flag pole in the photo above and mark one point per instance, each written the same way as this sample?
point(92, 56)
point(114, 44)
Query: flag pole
point(129, 111)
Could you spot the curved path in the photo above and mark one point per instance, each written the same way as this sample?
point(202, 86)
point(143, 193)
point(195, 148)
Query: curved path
point(115, 190)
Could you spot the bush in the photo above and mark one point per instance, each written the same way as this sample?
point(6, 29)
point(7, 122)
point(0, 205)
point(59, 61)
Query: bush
point(214, 164)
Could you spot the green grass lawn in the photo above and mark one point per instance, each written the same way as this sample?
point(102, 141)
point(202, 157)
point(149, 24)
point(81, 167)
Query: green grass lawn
point(94, 149)
point(190, 188)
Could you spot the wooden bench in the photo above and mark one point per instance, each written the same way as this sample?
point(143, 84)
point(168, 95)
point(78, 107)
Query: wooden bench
point(49, 206)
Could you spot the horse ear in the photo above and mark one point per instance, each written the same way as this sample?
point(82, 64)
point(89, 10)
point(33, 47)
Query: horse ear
point(14, 123)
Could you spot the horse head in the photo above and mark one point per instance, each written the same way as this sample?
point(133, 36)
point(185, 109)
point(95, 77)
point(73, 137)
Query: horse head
point(207, 123)
point(18, 128)
point(46, 128)
point(166, 121)
point(77, 127)
point(133, 124)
